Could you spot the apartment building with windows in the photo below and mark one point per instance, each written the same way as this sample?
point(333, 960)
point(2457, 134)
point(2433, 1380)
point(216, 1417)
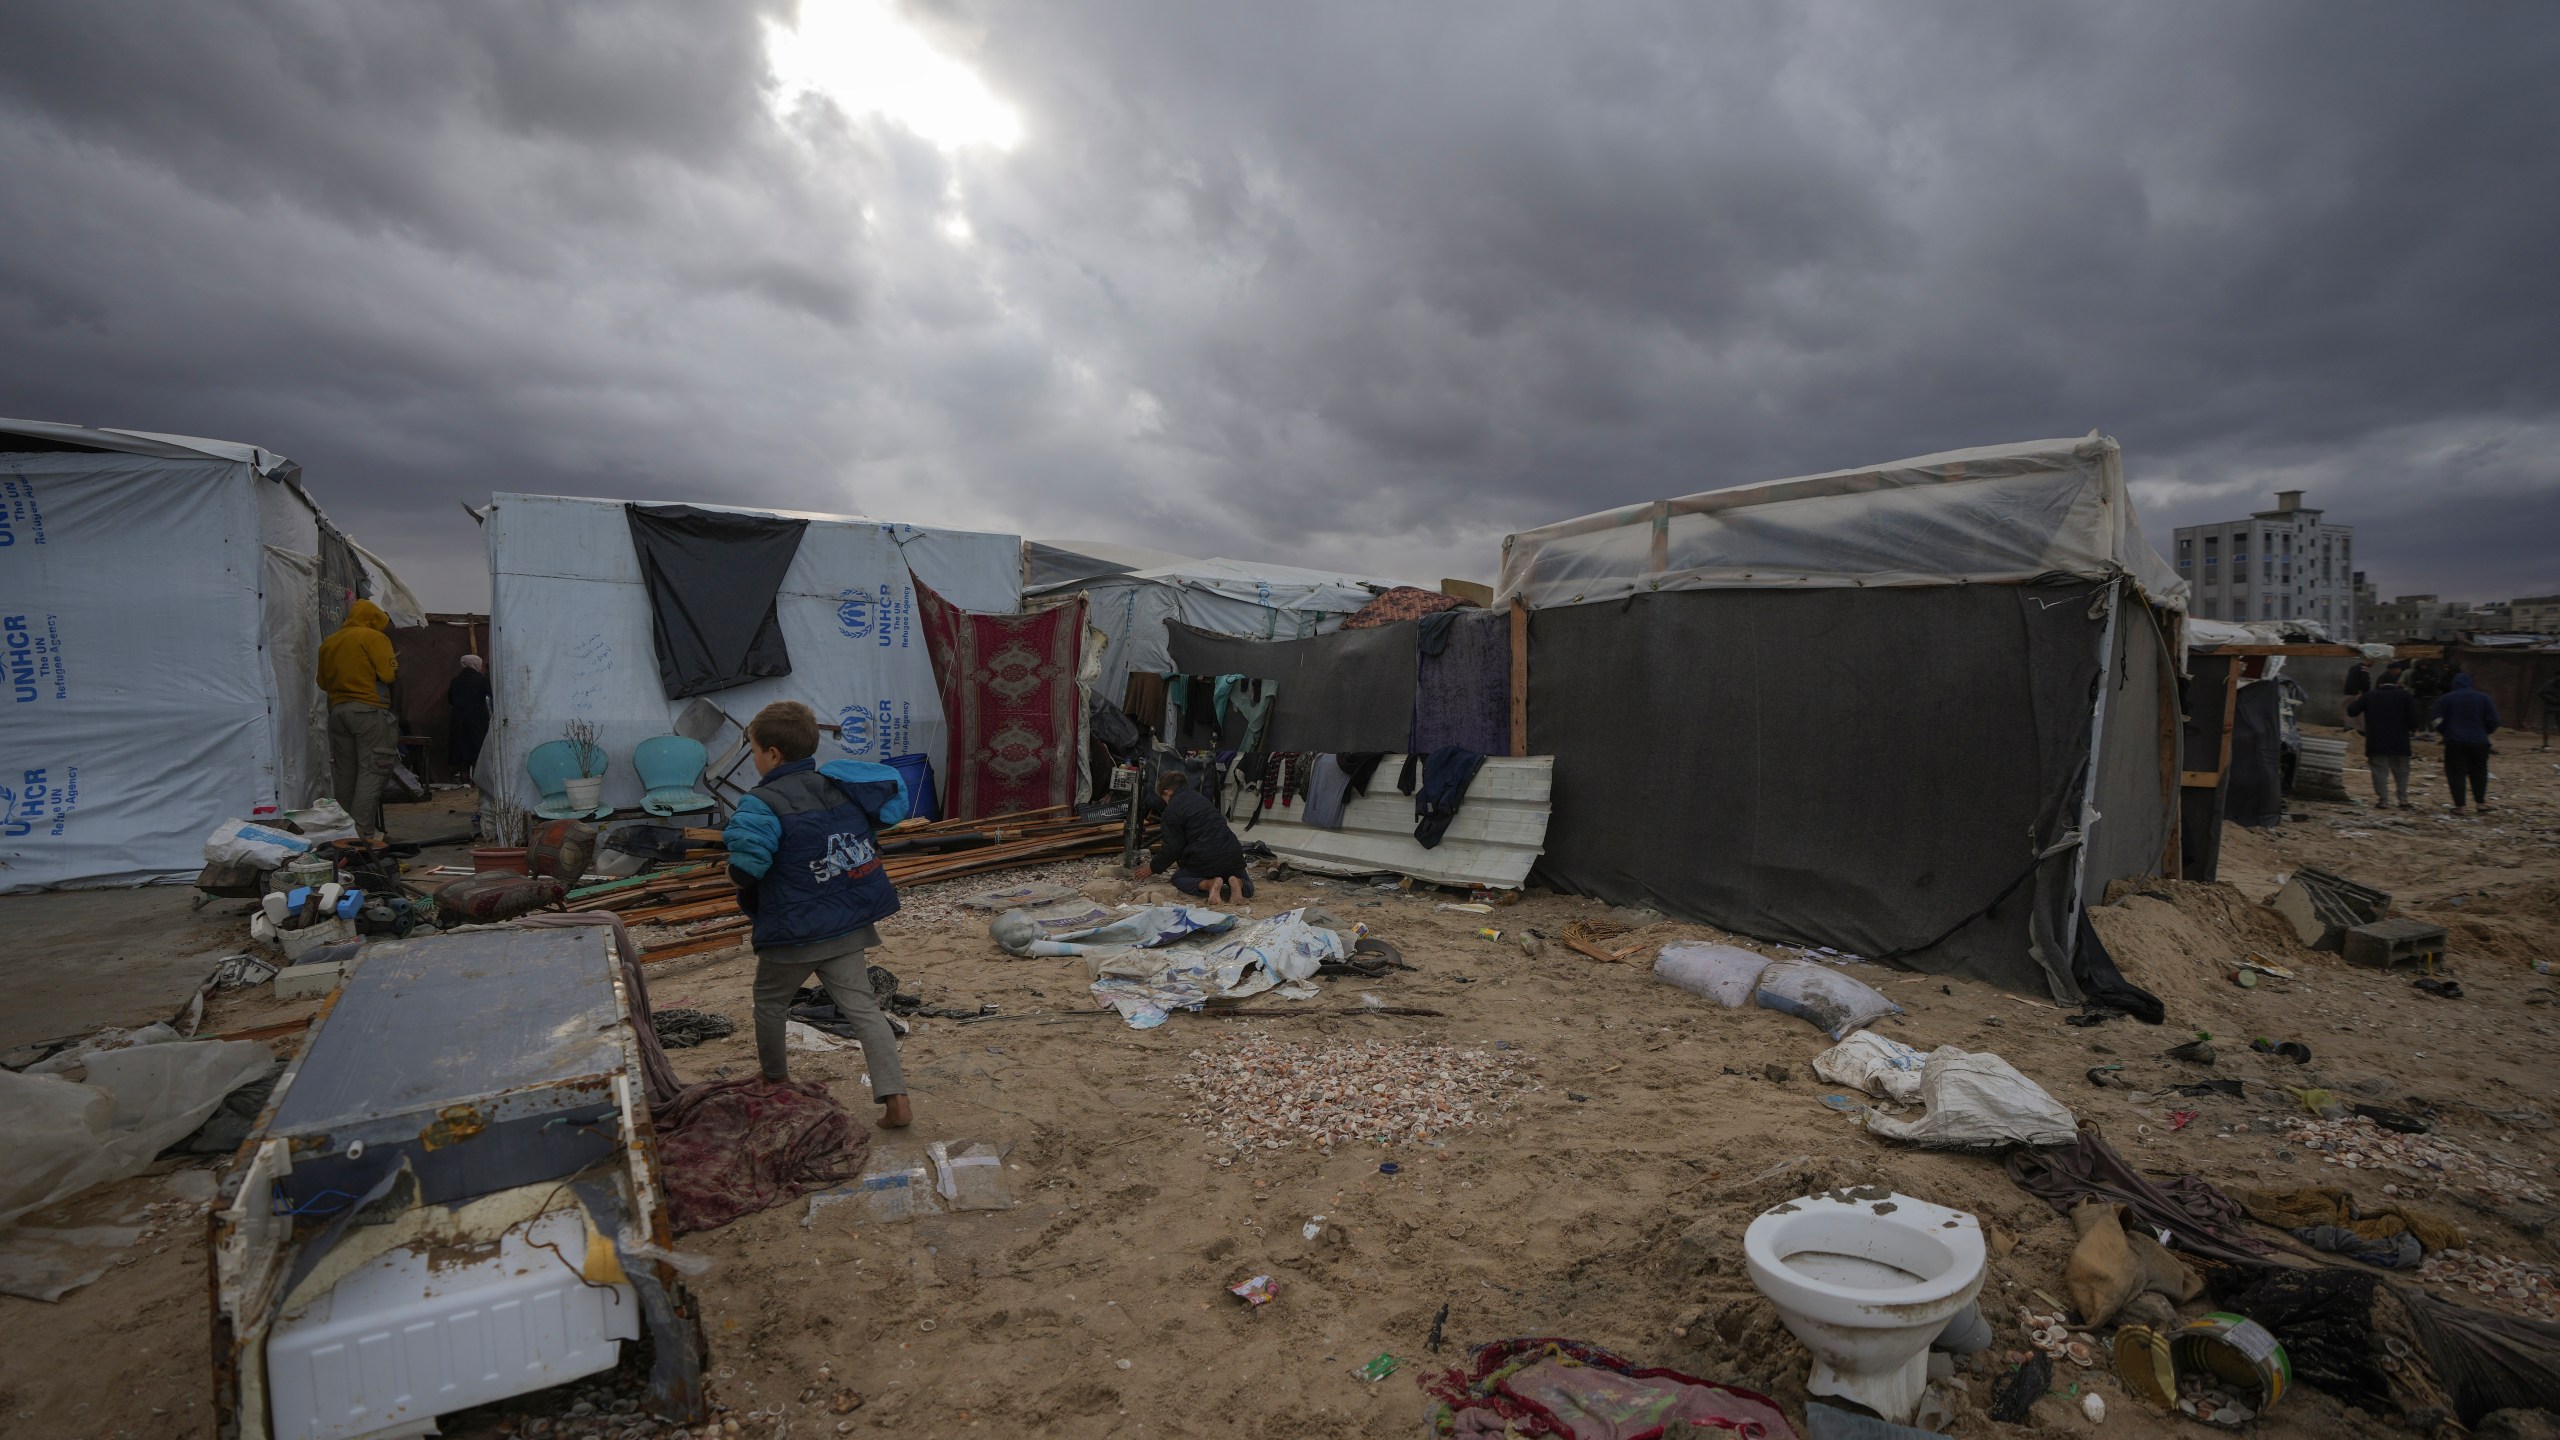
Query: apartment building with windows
point(2280, 564)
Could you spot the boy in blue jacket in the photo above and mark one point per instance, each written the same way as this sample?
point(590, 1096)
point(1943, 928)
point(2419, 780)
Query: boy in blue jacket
point(807, 866)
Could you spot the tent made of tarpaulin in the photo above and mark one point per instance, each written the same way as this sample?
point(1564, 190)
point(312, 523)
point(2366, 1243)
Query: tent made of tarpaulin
point(1249, 599)
point(162, 602)
point(1064, 562)
point(570, 639)
point(430, 656)
point(1921, 711)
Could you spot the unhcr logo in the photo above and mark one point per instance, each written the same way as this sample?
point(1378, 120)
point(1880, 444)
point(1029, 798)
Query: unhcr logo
point(853, 730)
point(856, 612)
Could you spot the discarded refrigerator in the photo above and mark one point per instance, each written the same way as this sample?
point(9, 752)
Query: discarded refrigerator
point(452, 1198)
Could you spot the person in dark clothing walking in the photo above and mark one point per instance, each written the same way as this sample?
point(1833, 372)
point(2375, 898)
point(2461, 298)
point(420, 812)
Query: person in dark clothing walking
point(1200, 853)
point(468, 698)
point(2390, 715)
point(2466, 718)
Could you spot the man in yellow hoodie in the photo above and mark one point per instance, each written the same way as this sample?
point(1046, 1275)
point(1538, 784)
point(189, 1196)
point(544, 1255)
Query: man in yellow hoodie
point(356, 668)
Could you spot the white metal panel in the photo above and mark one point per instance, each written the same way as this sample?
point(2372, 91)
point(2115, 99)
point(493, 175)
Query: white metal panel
point(406, 1337)
point(570, 626)
point(1496, 836)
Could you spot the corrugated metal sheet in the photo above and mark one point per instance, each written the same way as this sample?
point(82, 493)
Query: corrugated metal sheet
point(1497, 834)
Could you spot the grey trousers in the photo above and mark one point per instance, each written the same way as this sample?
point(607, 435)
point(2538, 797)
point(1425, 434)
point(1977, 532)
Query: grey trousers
point(842, 966)
point(364, 743)
point(2388, 767)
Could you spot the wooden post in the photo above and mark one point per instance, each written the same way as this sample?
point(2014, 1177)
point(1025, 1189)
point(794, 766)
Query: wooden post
point(2230, 707)
point(2172, 861)
point(1519, 678)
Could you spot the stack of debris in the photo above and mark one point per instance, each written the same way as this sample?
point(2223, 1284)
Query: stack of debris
point(697, 896)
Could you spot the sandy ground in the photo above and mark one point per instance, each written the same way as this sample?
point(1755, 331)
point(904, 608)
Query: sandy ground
point(1606, 1204)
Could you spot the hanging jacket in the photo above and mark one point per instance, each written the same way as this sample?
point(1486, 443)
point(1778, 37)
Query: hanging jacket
point(1445, 778)
point(803, 852)
point(2464, 715)
point(2391, 716)
point(356, 665)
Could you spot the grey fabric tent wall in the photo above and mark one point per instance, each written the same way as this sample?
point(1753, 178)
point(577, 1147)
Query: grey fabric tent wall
point(1350, 690)
point(2136, 791)
point(1859, 768)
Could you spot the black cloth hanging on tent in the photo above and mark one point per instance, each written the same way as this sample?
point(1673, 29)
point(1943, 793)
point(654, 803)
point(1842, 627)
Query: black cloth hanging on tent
point(712, 579)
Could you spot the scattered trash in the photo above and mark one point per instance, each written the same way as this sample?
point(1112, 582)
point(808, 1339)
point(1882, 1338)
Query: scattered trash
point(1876, 1064)
point(2355, 1143)
point(1978, 1101)
point(2517, 1286)
point(969, 1174)
point(2114, 1262)
point(2390, 1119)
point(2447, 989)
point(2293, 1050)
point(2322, 907)
point(2224, 1369)
point(240, 972)
point(2198, 1051)
point(2024, 1387)
point(1843, 1104)
point(1256, 1292)
point(2094, 1405)
point(1434, 1343)
point(1469, 909)
point(800, 1035)
point(896, 1185)
point(1265, 1094)
point(1824, 1422)
point(62, 1137)
point(1376, 1370)
point(1389, 1168)
point(682, 1029)
point(1584, 1392)
point(2181, 1119)
point(2103, 1076)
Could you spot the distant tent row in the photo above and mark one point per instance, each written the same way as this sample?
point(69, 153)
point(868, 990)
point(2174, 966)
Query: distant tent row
point(162, 602)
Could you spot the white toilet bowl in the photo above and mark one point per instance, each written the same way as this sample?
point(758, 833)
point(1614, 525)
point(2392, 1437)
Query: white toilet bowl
point(1866, 1279)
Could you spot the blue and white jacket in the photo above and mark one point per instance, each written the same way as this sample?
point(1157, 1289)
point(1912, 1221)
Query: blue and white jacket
point(802, 848)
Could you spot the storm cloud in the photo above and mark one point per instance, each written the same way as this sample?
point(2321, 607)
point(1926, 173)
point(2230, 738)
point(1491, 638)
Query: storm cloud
point(1359, 286)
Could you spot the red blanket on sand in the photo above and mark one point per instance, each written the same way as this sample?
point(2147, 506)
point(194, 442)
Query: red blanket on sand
point(728, 1148)
point(1008, 686)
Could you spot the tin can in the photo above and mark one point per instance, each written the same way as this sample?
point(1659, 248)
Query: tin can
point(2230, 1349)
point(1490, 933)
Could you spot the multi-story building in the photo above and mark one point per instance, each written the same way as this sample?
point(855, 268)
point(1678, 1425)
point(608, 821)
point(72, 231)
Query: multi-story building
point(2280, 564)
point(2535, 614)
point(2416, 617)
point(2366, 598)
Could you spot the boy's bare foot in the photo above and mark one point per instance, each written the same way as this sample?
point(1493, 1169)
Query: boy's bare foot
point(896, 1113)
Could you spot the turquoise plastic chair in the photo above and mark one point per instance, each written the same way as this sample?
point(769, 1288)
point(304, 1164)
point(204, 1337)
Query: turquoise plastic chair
point(670, 768)
point(553, 764)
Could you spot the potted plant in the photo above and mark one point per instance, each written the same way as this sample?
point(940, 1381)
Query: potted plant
point(588, 784)
point(501, 844)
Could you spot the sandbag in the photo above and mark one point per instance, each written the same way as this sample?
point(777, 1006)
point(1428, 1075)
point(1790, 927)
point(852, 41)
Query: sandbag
point(1722, 973)
point(1822, 996)
point(488, 899)
point(560, 849)
point(1978, 1102)
point(1874, 1064)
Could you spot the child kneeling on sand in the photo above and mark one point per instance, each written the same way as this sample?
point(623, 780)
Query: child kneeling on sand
point(803, 851)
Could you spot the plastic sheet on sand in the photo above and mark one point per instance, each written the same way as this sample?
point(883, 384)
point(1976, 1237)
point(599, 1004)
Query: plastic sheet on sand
point(1280, 954)
point(62, 1137)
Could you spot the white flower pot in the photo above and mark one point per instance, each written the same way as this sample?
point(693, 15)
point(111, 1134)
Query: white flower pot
point(584, 790)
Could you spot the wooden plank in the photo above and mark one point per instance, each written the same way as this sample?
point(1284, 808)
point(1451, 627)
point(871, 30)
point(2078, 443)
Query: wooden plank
point(2230, 707)
point(1519, 679)
point(2198, 779)
point(2328, 651)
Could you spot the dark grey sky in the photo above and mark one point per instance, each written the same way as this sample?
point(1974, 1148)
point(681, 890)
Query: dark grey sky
point(1354, 285)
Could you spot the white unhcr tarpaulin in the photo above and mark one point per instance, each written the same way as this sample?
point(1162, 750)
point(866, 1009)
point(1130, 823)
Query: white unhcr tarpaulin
point(570, 634)
point(160, 608)
point(2001, 514)
point(1225, 597)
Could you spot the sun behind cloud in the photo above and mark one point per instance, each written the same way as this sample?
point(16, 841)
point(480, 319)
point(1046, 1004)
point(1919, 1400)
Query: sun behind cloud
point(863, 57)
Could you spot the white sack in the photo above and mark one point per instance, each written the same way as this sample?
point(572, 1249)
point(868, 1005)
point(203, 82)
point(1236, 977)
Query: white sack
point(238, 842)
point(1874, 1064)
point(1722, 973)
point(1978, 1102)
point(62, 1138)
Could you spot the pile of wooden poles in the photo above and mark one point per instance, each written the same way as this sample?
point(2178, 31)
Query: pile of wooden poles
point(697, 894)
